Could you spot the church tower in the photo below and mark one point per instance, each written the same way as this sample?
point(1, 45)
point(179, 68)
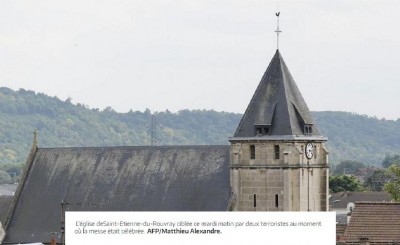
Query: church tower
point(279, 161)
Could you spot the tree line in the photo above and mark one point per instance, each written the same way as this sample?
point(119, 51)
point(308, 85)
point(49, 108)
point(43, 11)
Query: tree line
point(356, 176)
point(62, 123)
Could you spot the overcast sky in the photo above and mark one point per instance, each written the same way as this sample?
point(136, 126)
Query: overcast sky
point(202, 54)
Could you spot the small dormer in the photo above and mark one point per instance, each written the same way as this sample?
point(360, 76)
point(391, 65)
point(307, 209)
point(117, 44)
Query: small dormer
point(262, 129)
point(308, 129)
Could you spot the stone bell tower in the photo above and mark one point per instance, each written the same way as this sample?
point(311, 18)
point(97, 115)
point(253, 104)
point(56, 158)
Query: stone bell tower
point(279, 161)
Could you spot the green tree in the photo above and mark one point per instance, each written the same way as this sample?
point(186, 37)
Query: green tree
point(389, 160)
point(348, 167)
point(377, 179)
point(393, 187)
point(344, 182)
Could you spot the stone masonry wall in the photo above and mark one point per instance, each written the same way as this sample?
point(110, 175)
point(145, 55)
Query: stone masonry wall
point(289, 183)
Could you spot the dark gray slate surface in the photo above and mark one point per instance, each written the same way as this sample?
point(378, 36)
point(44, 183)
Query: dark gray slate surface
point(341, 199)
point(181, 178)
point(8, 189)
point(277, 102)
point(5, 203)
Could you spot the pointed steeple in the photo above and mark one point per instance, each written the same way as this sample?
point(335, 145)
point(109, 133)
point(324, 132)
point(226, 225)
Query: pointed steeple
point(277, 107)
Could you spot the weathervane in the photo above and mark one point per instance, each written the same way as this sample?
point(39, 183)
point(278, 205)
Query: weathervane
point(277, 30)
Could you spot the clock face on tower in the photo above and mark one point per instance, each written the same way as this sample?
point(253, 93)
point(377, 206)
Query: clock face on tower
point(309, 150)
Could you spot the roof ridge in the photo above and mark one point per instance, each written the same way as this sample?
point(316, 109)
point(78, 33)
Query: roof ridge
point(286, 91)
point(133, 146)
point(378, 203)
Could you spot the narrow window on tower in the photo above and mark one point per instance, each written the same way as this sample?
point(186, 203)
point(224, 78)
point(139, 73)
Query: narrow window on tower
point(315, 151)
point(255, 200)
point(276, 148)
point(276, 201)
point(252, 152)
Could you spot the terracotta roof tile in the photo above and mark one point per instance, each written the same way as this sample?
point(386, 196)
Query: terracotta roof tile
point(340, 229)
point(379, 222)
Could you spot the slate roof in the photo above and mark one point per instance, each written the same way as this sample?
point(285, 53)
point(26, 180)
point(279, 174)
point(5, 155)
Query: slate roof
point(375, 221)
point(278, 104)
point(5, 203)
point(7, 189)
point(341, 199)
point(341, 219)
point(163, 178)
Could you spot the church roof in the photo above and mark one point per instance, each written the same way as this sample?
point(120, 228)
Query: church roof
point(160, 178)
point(277, 107)
point(5, 203)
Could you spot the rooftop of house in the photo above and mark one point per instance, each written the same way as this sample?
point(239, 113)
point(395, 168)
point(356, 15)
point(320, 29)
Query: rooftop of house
point(374, 221)
point(340, 229)
point(341, 219)
point(341, 199)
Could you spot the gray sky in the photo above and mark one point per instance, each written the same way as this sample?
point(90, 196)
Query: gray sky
point(202, 54)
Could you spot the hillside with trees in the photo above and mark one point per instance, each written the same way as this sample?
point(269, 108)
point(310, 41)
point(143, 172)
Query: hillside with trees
point(358, 137)
point(62, 123)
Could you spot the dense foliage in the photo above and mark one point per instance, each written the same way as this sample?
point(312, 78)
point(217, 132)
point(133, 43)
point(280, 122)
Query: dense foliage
point(389, 160)
point(344, 182)
point(62, 123)
point(393, 187)
point(358, 137)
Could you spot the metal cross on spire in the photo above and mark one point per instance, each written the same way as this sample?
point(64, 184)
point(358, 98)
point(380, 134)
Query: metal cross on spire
point(277, 30)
